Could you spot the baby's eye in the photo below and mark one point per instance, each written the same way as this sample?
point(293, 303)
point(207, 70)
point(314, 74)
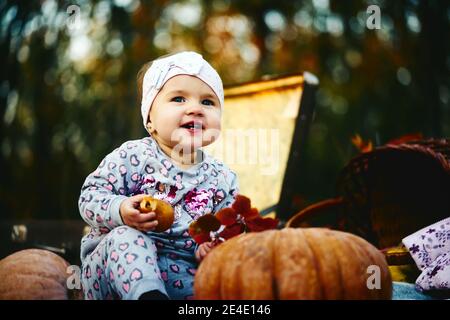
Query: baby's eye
point(178, 99)
point(208, 102)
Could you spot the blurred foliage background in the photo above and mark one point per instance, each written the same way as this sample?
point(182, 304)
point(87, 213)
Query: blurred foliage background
point(68, 95)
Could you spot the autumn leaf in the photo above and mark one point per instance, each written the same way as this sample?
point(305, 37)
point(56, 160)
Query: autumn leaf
point(201, 237)
point(230, 222)
point(232, 231)
point(251, 214)
point(208, 222)
point(201, 228)
point(405, 138)
point(362, 146)
point(241, 204)
point(227, 216)
point(260, 224)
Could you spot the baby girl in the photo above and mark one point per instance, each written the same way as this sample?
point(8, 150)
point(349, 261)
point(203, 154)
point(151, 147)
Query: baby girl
point(123, 257)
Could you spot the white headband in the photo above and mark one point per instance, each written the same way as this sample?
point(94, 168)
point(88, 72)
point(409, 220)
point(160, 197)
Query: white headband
point(163, 69)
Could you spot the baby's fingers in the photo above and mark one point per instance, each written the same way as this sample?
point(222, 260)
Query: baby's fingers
point(148, 226)
point(203, 251)
point(209, 245)
point(145, 217)
point(137, 198)
point(208, 250)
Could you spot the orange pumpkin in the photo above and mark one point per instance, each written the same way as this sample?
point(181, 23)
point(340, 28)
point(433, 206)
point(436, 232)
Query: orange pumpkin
point(33, 274)
point(163, 210)
point(295, 264)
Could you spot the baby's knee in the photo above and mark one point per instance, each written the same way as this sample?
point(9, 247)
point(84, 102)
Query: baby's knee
point(124, 236)
point(123, 232)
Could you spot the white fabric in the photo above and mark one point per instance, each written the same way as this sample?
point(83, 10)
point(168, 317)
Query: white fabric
point(163, 69)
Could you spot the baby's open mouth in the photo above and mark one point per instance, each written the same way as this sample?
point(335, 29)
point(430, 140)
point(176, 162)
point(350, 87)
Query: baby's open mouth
point(192, 125)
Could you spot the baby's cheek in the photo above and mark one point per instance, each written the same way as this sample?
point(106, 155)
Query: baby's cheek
point(216, 121)
point(210, 135)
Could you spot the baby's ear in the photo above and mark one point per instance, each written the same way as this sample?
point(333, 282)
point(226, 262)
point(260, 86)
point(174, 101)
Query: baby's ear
point(150, 127)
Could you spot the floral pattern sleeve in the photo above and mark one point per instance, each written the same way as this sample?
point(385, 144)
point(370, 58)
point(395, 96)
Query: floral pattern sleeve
point(116, 177)
point(430, 249)
point(227, 199)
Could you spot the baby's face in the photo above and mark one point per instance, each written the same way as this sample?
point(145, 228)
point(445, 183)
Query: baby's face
point(186, 113)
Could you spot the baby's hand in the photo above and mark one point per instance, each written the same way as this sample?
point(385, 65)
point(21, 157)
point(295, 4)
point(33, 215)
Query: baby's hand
point(203, 250)
point(132, 217)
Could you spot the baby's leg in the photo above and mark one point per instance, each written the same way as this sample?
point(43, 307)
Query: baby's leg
point(178, 275)
point(122, 266)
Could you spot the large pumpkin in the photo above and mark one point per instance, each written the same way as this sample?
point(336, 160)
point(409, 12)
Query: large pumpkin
point(312, 263)
point(33, 274)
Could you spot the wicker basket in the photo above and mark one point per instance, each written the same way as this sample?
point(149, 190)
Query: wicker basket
point(387, 194)
point(396, 190)
point(324, 214)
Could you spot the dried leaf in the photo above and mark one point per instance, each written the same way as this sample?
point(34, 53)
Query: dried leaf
point(251, 214)
point(361, 145)
point(406, 138)
point(194, 229)
point(232, 231)
point(200, 229)
point(241, 204)
point(208, 223)
point(261, 224)
point(201, 237)
point(227, 216)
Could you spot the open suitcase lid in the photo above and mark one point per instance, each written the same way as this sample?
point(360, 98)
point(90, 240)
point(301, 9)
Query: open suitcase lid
point(265, 126)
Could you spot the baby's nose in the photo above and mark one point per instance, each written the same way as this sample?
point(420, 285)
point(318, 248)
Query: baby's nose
point(195, 108)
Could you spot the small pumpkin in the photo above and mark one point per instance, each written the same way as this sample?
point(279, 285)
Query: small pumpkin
point(33, 274)
point(313, 263)
point(163, 210)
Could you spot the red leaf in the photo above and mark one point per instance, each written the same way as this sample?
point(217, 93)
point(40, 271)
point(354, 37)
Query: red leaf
point(261, 224)
point(201, 237)
point(406, 138)
point(241, 205)
point(226, 216)
point(194, 229)
point(199, 229)
point(208, 223)
point(232, 231)
point(361, 145)
point(251, 214)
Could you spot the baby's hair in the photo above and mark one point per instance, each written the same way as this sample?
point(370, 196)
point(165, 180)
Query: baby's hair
point(140, 78)
point(142, 71)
